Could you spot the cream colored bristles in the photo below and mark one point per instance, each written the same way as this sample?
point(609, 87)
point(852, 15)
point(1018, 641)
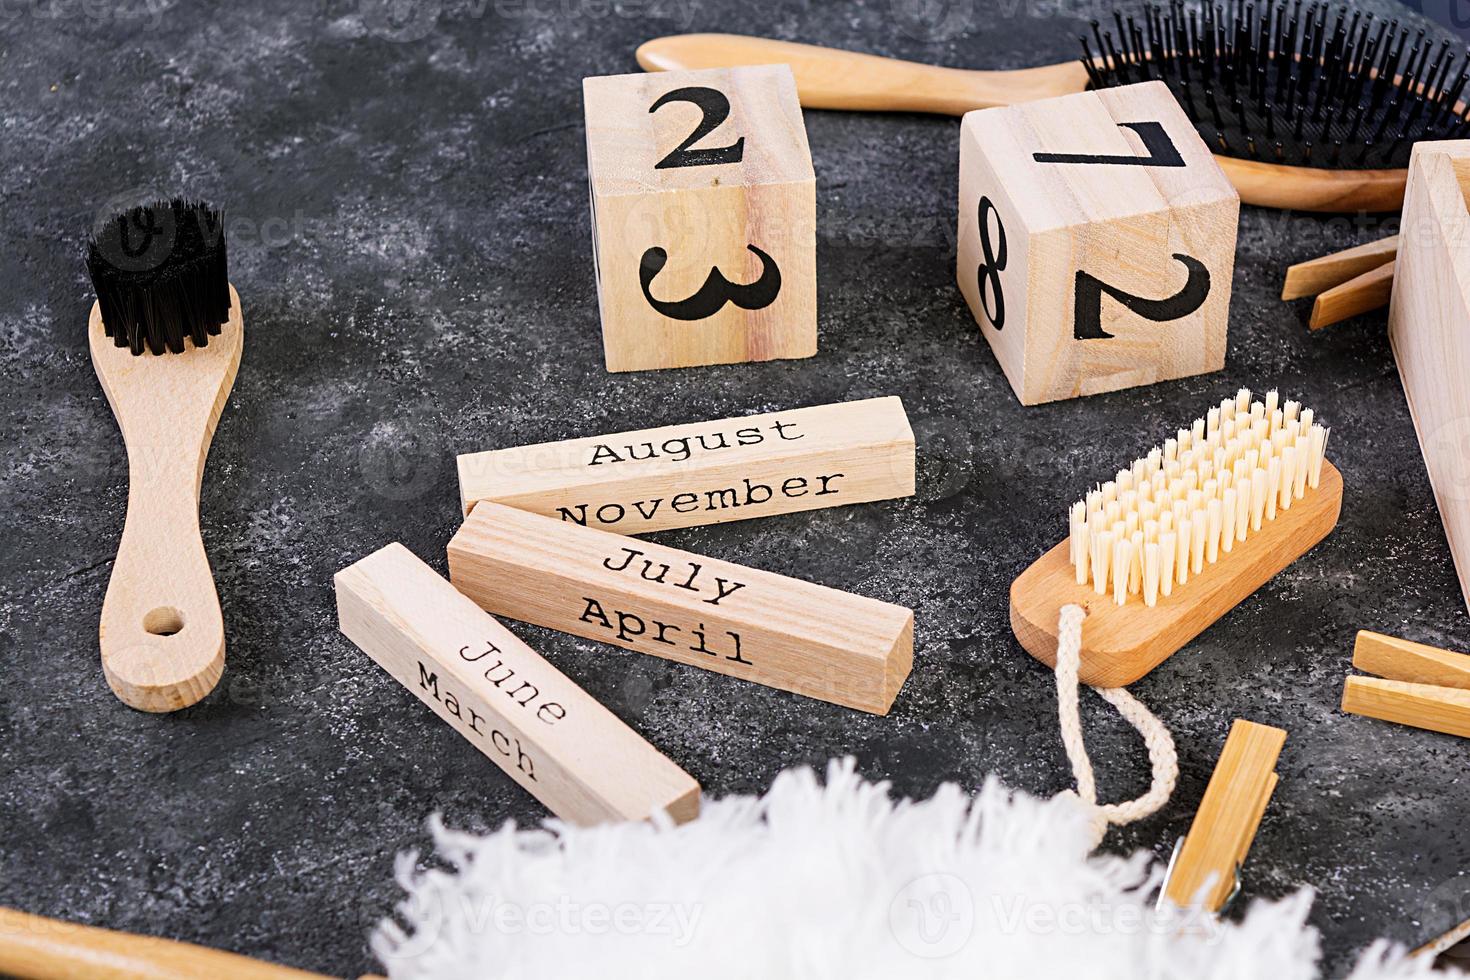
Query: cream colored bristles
point(1186, 503)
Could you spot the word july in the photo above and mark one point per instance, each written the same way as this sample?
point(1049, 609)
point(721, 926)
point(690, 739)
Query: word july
point(723, 587)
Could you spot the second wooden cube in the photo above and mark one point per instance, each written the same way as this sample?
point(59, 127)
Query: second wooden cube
point(704, 217)
point(1096, 241)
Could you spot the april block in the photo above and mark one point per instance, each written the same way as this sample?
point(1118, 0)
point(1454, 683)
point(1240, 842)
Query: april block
point(703, 217)
point(1096, 241)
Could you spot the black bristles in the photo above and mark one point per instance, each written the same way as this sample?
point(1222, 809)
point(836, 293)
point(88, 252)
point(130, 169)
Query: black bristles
point(1281, 80)
point(160, 275)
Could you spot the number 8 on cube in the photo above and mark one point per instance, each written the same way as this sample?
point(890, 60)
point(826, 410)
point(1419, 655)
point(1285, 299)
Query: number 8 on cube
point(1096, 241)
point(703, 217)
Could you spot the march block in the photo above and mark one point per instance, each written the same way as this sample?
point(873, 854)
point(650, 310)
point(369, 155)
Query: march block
point(1096, 241)
point(703, 217)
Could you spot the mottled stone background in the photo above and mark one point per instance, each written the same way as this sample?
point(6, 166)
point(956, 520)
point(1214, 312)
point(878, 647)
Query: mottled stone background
point(408, 230)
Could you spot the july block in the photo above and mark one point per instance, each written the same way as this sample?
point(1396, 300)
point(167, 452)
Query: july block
point(703, 217)
point(1096, 241)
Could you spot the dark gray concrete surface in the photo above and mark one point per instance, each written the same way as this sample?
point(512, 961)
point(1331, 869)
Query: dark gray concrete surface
point(409, 233)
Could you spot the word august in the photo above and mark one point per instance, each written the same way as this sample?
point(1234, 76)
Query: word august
point(631, 628)
point(682, 448)
point(504, 679)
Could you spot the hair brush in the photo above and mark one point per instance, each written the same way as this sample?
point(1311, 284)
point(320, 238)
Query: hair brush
point(165, 335)
point(1310, 107)
point(1182, 536)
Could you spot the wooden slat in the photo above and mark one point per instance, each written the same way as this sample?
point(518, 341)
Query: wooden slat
point(1404, 660)
point(1312, 277)
point(1370, 291)
point(1228, 816)
point(1428, 706)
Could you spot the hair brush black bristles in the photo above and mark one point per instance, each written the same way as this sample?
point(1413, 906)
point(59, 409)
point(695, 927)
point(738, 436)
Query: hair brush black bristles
point(160, 275)
point(1309, 85)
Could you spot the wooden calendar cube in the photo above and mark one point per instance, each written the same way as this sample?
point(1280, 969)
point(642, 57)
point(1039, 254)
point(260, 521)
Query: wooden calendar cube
point(1096, 241)
point(703, 217)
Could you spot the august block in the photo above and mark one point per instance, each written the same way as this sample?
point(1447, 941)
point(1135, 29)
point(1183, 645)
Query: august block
point(703, 217)
point(1096, 241)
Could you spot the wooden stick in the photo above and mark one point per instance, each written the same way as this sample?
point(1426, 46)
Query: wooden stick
point(1427, 706)
point(1228, 817)
point(1370, 291)
point(162, 634)
point(527, 717)
point(705, 472)
point(728, 618)
point(1403, 660)
point(1317, 275)
point(37, 948)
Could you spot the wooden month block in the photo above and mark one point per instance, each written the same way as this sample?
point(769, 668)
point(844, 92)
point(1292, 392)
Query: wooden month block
point(1429, 327)
point(1120, 644)
point(767, 628)
point(703, 217)
point(705, 472)
point(545, 732)
point(1096, 241)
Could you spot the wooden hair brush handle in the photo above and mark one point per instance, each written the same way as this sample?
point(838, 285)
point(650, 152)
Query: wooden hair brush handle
point(162, 635)
point(37, 948)
point(830, 78)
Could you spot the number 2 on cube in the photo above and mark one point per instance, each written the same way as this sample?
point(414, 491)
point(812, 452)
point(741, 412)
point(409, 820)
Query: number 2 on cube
point(716, 291)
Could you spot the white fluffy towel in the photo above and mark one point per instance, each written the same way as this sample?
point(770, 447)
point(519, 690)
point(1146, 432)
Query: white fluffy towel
point(831, 880)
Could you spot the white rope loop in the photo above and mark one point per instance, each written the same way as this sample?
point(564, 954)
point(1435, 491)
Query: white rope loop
point(1161, 754)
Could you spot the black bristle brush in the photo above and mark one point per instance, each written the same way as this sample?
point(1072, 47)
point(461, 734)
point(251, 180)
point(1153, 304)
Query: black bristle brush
point(1307, 106)
point(166, 336)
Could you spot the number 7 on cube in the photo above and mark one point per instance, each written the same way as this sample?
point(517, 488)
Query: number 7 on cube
point(1096, 241)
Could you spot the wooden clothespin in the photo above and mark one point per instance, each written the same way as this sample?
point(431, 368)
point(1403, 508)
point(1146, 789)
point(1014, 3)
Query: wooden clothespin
point(1416, 684)
point(1205, 868)
point(1345, 283)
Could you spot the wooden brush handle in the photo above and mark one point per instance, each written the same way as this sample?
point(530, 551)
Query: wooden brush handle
point(36, 948)
point(829, 78)
point(162, 635)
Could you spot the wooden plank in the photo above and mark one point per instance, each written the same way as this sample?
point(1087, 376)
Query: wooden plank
point(755, 625)
point(527, 717)
point(1229, 814)
point(1404, 660)
point(1370, 291)
point(1324, 272)
point(705, 472)
point(1437, 709)
point(1429, 327)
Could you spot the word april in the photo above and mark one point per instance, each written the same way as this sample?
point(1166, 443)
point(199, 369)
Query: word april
point(630, 628)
